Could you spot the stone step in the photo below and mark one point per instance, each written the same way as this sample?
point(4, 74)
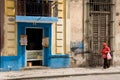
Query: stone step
point(35, 67)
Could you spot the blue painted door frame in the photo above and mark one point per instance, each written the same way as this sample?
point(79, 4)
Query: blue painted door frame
point(21, 49)
point(17, 62)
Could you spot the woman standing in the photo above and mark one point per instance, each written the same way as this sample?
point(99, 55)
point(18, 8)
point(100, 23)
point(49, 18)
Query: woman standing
point(104, 52)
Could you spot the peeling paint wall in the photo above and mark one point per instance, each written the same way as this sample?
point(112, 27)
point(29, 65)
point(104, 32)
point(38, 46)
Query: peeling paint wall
point(116, 54)
point(76, 16)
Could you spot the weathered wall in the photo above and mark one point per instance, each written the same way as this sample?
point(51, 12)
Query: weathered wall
point(76, 16)
point(76, 19)
point(116, 58)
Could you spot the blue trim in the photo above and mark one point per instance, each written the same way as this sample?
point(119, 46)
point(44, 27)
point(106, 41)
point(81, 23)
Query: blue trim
point(47, 33)
point(36, 19)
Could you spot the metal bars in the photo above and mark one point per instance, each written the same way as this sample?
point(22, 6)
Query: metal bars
point(21, 7)
point(99, 12)
point(36, 7)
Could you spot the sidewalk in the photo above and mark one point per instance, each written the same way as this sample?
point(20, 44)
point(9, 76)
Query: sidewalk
point(42, 73)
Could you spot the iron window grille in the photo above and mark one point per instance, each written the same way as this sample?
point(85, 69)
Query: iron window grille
point(99, 28)
point(37, 8)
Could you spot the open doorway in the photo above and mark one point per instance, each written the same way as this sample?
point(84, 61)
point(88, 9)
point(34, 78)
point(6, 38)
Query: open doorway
point(34, 49)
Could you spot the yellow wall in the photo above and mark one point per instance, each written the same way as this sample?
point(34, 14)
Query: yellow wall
point(62, 29)
point(68, 27)
point(10, 48)
point(58, 30)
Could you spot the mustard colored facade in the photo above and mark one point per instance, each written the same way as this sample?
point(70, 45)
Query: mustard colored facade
point(55, 32)
point(10, 43)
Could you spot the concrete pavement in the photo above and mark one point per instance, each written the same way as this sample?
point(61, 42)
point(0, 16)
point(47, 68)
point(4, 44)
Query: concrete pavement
point(43, 73)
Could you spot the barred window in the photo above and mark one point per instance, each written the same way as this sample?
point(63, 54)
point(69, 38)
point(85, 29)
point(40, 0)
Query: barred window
point(99, 12)
point(36, 7)
point(100, 5)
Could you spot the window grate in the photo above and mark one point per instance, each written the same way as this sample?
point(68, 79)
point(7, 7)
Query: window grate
point(37, 7)
point(99, 16)
point(96, 5)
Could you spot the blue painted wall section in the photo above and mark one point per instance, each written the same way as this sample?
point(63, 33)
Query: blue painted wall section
point(59, 61)
point(9, 63)
point(47, 33)
point(17, 62)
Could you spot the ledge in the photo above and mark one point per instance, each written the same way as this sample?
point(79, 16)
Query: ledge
point(60, 56)
point(37, 19)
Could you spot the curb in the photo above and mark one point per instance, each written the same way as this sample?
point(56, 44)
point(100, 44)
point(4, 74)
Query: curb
point(66, 75)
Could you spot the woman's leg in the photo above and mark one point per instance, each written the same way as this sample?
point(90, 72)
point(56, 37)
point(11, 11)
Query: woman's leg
point(105, 63)
point(108, 63)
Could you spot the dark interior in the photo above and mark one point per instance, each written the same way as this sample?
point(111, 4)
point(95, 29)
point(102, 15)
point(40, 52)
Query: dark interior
point(34, 37)
point(37, 8)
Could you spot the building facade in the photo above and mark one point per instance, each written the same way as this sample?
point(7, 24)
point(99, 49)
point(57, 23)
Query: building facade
point(92, 23)
point(39, 32)
point(34, 33)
